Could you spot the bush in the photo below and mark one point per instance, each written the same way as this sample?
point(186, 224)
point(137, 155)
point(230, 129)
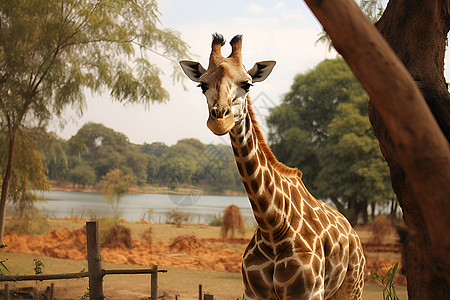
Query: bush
point(118, 236)
point(232, 220)
point(215, 220)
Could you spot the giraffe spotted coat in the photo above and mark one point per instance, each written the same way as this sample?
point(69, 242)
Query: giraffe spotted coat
point(303, 248)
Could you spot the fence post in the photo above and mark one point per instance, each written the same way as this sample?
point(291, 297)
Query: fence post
point(200, 293)
point(94, 261)
point(154, 283)
point(52, 288)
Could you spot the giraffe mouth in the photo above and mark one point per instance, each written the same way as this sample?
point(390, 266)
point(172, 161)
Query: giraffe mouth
point(220, 126)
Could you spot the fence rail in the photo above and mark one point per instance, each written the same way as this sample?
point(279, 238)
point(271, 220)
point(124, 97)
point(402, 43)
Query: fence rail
point(95, 272)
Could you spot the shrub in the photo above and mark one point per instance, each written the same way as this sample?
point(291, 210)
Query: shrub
point(118, 236)
point(215, 220)
point(232, 220)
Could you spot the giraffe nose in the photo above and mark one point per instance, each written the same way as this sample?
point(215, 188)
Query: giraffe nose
point(220, 113)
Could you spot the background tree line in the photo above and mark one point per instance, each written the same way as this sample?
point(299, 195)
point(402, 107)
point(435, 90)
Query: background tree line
point(96, 150)
point(322, 127)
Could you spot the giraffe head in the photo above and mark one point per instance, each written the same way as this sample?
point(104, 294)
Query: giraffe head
point(226, 83)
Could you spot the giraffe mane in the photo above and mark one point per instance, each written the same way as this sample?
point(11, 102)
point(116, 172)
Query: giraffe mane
point(279, 166)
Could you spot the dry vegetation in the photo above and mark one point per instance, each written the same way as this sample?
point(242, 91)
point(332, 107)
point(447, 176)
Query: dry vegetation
point(381, 228)
point(232, 221)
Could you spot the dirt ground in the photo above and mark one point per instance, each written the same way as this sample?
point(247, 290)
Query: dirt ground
point(192, 254)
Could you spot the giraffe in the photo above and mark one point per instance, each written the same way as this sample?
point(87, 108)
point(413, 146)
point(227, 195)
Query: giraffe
point(302, 247)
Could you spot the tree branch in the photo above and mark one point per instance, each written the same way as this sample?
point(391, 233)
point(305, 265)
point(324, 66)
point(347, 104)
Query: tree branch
point(423, 151)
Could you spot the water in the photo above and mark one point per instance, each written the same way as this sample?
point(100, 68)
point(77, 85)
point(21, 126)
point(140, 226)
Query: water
point(133, 207)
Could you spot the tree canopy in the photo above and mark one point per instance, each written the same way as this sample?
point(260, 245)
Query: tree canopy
point(322, 128)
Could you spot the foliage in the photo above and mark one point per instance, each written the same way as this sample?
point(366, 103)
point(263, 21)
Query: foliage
point(85, 296)
point(30, 173)
point(373, 9)
point(3, 268)
point(38, 266)
point(115, 184)
point(95, 150)
point(82, 174)
point(388, 283)
point(52, 51)
point(215, 220)
point(322, 128)
point(232, 220)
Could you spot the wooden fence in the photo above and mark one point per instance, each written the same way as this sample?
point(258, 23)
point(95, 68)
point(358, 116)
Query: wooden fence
point(95, 271)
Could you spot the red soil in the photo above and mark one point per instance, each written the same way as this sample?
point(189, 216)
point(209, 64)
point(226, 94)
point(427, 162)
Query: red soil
point(187, 252)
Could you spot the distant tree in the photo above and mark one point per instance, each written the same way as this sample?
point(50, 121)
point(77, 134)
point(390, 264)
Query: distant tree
point(157, 148)
point(82, 174)
point(51, 51)
point(322, 127)
point(137, 163)
point(299, 125)
point(114, 184)
point(153, 163)
point(176, 169)
point(353, 173)
point(53, 151)
point(104, 149)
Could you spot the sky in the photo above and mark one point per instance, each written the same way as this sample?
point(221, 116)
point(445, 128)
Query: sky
point(284, 31)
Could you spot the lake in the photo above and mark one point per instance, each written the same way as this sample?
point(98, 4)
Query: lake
point(154, 207)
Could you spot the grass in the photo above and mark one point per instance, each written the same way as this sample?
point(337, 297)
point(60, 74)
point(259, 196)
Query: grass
point(175, 282)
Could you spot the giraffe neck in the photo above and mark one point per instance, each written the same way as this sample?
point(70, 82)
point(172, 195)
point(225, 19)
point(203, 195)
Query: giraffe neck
point(266, 180)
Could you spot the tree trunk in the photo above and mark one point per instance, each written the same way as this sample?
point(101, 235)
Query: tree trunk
point(394, 206)
point(372, 210)
point(7, 180)
point(417, 32)
point(412, 141)
point(363, 211)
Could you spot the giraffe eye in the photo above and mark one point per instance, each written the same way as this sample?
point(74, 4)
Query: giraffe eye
point(203, 86)
point(246, 86)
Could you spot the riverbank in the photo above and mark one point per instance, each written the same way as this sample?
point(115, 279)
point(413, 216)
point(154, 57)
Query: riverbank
point(145, 189)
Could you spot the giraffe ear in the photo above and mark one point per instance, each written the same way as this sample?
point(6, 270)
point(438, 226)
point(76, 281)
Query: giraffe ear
point(261, 70)
point(192, 69)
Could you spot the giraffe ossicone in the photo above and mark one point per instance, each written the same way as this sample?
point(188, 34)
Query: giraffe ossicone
point(302, 248)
